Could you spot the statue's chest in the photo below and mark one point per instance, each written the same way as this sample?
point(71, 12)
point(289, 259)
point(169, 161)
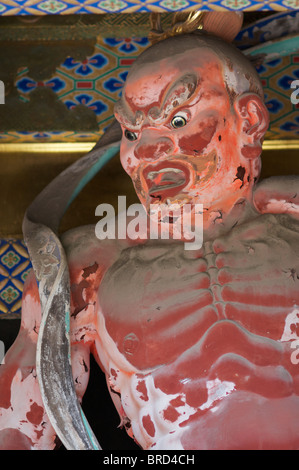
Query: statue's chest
point(158, 300)
point(147, 279)
point(152, 293)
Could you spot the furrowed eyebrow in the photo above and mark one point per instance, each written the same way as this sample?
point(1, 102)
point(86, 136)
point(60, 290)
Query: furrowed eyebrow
point(127, 118)
point(179, 94)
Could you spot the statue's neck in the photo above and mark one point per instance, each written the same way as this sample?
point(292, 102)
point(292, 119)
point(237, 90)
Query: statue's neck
point(212, 223)
point(217, 223)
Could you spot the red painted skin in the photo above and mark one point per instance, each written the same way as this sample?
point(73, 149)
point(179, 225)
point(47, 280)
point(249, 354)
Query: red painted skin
point(198, 345)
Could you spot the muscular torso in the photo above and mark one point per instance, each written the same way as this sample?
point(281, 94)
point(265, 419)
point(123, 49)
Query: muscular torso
point(198, 344)
point(200, 348)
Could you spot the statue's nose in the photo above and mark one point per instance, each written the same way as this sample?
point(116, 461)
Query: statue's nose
point(151, 148)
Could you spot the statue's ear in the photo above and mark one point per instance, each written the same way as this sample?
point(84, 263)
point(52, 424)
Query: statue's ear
point(254, 122)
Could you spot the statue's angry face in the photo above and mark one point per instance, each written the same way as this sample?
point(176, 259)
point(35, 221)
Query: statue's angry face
point(182, 137)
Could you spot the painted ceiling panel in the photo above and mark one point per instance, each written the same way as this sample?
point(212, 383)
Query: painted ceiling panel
point(69, 7)
point(63, 86)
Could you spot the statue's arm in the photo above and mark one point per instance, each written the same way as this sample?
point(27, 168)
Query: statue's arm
point(24, 423)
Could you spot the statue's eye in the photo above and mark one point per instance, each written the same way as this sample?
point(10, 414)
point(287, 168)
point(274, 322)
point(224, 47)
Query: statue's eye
point(130, 135)
point(178, 121)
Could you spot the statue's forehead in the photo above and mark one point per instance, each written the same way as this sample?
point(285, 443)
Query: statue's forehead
point(152, 84)
point(147, 90)
point(155, 76)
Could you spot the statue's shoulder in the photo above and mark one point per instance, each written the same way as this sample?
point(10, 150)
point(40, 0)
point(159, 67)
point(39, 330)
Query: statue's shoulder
point(79, 239)
point(83, 247)
point(278, 195)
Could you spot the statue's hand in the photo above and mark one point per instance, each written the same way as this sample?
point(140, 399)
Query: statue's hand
point(278, 195)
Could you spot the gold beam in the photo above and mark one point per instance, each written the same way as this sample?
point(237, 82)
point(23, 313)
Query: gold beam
point(84, 147)
point(47, 147)
point(281, 144)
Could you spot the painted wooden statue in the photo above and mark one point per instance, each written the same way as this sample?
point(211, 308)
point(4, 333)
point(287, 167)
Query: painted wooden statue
point(198, 346)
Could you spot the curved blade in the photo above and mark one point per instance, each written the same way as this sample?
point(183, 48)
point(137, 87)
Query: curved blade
point(53, 357)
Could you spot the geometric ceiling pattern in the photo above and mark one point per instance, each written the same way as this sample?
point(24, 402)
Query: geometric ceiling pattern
point(67, 7)
point(14, 268)
point(95, 83)
point(276, 77)
point(73, 99)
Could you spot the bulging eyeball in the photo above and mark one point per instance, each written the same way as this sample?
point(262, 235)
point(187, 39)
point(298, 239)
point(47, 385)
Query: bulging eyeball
point(178, 121)
point(130, 135)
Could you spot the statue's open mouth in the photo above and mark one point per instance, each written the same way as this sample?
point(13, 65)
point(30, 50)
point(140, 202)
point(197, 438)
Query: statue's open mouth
point(165, 179)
